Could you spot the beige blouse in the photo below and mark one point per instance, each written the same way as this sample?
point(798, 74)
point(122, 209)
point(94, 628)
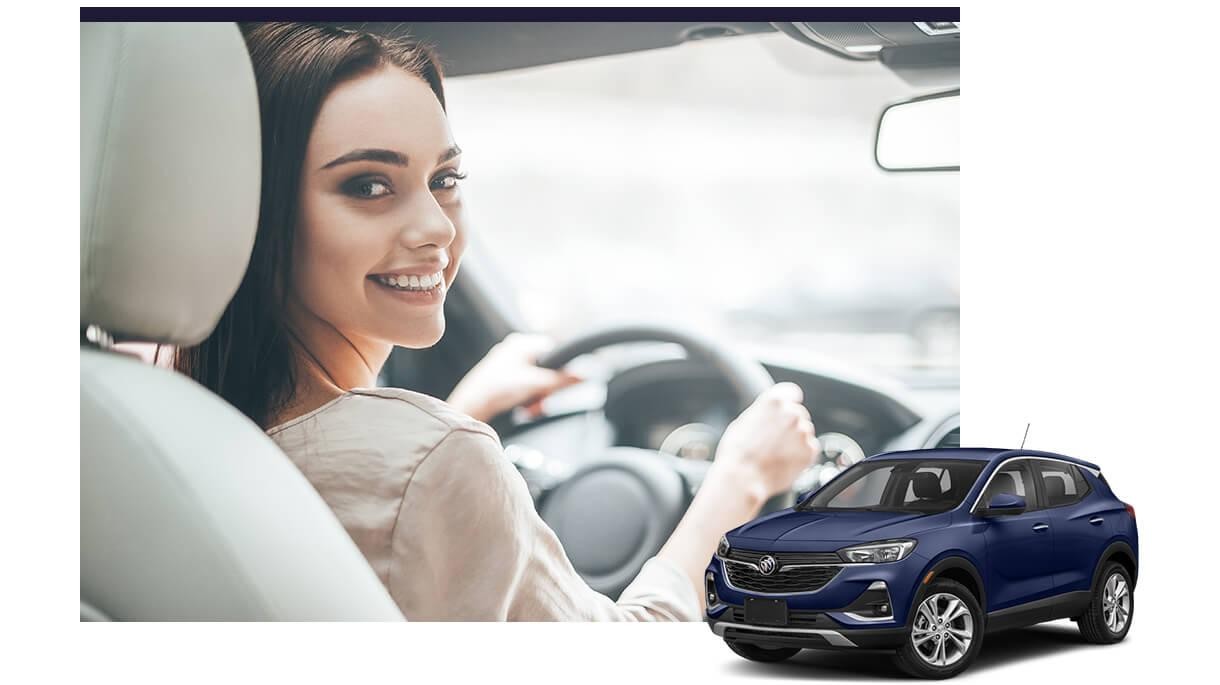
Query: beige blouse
point(448, 523)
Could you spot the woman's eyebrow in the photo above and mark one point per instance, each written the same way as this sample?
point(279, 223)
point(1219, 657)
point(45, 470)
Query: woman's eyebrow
point(385, 157)
point(449, 154)
point(369, 155)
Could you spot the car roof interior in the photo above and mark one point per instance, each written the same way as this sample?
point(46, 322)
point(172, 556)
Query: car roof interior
point(922, 53)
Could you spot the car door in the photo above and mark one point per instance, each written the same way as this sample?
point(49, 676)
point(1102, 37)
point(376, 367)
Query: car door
point(1020, 548)
point(1077, 523)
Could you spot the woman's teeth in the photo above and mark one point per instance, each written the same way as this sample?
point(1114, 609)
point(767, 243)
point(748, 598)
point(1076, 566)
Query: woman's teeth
point(412, 282)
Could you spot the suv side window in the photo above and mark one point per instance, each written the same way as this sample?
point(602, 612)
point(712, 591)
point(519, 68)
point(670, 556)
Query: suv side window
point(1062, 483)
point(1013, 478)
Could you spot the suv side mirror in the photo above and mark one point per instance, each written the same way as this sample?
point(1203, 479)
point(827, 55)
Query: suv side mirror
point(1004, 504)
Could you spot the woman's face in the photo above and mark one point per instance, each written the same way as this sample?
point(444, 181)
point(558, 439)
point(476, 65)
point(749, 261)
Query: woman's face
point(380, 231)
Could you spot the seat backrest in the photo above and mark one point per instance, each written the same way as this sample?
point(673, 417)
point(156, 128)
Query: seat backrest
point(1003, 483)
point(188, 510)
point(1056, 488)
point(925, 485)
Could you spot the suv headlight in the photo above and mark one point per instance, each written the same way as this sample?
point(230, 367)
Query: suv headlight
point(722, 549)
point(877, 552)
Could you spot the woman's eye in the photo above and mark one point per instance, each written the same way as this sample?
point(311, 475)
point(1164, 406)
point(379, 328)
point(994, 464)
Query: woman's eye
point(367, 188)
point(447, 181)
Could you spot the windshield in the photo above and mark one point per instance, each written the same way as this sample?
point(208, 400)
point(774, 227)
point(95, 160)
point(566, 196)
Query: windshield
point(915, 486)
point(726, 185)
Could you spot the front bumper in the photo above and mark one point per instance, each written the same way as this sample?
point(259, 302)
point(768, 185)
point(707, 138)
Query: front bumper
point(822, 619)
point(835, 637)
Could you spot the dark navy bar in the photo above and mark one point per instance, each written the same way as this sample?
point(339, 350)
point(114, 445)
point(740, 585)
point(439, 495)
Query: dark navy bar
point(344, 14)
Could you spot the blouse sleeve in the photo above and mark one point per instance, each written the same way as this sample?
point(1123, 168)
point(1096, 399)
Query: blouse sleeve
point(468, 545)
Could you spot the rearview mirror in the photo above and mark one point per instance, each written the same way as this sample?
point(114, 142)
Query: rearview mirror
point(1004, 504)
point(921, 134)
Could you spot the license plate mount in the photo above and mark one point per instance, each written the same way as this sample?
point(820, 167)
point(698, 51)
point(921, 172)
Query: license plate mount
point(766, 612)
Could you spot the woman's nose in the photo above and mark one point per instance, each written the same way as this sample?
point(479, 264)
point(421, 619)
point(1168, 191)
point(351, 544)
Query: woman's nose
point(426, 223)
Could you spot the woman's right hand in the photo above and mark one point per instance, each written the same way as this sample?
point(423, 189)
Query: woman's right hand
point(760, 454)
point(769, 444)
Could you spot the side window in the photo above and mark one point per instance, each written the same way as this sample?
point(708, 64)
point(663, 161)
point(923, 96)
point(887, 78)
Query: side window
point(1082, 483)
point(1062, 483)
point(1013, 479)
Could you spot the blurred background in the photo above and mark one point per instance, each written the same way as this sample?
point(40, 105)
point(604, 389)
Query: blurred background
point(724, 184)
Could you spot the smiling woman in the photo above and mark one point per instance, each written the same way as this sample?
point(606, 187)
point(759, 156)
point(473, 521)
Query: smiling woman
point(380, 208)
point(360, 236)
point(336, 155)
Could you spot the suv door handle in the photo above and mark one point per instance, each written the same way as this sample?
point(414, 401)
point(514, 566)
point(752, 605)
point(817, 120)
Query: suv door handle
point(1041, 527)
point(1096, 520)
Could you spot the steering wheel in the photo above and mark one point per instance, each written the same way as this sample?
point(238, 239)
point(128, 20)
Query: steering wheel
point(617, 510)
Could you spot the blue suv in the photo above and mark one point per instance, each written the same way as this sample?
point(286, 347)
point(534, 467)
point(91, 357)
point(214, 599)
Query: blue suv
point(923, 552)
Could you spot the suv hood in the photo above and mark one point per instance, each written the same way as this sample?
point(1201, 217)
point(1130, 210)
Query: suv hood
point(840, 526)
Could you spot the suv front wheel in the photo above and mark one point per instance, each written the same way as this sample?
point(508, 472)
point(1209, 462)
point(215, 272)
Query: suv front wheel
point(945, 634)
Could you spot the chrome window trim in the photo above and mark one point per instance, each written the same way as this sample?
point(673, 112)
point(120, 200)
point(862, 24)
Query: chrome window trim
point(999, 467)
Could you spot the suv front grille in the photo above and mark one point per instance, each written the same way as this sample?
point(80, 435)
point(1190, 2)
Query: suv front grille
point(791, 575)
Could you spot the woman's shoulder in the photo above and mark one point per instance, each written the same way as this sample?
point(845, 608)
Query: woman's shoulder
point(397, 403)
point(384, 414)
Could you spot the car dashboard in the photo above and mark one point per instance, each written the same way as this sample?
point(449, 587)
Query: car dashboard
point(681, 406)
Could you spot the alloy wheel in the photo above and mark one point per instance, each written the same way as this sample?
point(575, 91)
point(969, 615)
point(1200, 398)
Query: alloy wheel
point(1116, 603)
point(943, 630)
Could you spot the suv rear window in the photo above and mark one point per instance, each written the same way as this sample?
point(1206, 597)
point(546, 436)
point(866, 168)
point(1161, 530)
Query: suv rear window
point(1061, 482)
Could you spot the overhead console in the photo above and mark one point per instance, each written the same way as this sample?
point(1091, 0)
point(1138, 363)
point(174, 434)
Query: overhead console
point(922, 53)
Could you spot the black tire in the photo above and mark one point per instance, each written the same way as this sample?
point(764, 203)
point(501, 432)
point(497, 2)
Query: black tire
point(756, 653)
point(1093, 622)
point(908, 657)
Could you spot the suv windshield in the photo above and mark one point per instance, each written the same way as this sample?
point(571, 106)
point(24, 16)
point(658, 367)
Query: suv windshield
point(727, 185)
point(913, 485)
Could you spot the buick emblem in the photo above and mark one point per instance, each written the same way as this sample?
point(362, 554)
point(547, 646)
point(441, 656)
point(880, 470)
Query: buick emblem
point(766, 565)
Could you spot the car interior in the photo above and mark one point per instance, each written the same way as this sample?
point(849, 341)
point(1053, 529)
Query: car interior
point(189, 512)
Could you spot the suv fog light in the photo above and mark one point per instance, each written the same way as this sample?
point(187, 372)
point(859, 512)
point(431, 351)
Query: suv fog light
point(710, 584)
point(873, 604)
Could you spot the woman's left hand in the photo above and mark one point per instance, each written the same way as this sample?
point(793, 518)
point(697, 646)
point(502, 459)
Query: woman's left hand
point(508, 376)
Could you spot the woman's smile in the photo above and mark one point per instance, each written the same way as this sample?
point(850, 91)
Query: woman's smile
point(425, 289)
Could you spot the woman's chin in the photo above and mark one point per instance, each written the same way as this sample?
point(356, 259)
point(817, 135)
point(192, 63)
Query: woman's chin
point(421, 336)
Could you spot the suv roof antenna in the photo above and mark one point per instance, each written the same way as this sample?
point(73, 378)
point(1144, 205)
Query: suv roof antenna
point(1025, 436)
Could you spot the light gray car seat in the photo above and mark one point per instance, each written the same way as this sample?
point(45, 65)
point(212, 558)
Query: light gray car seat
point(188, 511)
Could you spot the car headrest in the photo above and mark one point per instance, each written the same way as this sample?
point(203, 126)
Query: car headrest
point(1004, 483)
point(1056, 487)
point(170, 172)
point(926, 485)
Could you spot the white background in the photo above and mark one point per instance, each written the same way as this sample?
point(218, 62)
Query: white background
point(1089, 276)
